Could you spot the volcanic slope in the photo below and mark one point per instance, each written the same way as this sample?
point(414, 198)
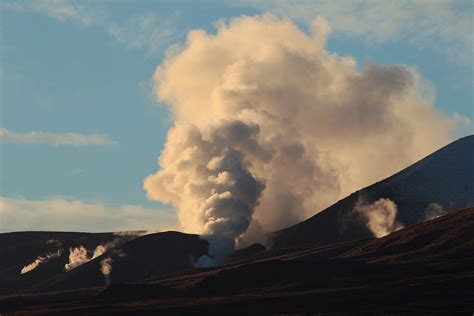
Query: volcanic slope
point(444, 179)
point(132, 257)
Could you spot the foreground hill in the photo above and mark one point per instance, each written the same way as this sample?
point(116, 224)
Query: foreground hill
point(20, 249)
point(420, 269)
point(444, 178)
point(132, 257)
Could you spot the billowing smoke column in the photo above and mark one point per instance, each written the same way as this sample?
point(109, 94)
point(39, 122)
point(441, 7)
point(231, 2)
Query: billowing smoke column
point(380, 215)
point(210, 170)
point(270, 128)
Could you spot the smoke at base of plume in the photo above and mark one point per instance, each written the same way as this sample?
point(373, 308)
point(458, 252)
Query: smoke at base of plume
point(380, 215)
point(220, 249)
point(270, 129)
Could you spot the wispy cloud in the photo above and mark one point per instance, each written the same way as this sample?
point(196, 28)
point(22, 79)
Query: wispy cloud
point(75, 11)
point(75, 215)
point(56, 139)
point(441, 25)
point(150, 31)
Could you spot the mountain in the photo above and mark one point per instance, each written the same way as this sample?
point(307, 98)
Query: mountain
point(420, 269)
point(132, 256)
point(444, 178)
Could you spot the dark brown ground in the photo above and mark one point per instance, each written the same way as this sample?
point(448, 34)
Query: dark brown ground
point(424, 269)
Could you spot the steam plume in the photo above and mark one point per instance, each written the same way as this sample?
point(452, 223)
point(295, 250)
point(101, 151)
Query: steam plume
point(98, 251)
point(106, 269)
point(269, 127)
point(434, 210)
point(381, 216)
point(79, 255)
point(41, 260)
point(45, 258)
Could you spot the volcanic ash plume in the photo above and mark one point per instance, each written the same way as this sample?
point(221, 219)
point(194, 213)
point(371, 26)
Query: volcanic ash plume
point(79, 256)
point(106, 269)
point(212, 183)
point(41, 260)
point(381, 216)
point(270, 128)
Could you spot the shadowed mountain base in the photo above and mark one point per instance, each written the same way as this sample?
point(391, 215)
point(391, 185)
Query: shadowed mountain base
point(422, 269)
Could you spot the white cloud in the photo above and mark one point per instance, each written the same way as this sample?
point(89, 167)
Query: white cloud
point(60, 214)
point(56, 139)
point(441, 25)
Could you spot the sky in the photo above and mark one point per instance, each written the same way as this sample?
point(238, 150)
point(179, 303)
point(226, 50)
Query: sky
point(80, 128)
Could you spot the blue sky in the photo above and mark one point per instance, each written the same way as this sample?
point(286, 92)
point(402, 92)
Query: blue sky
point(85, 68)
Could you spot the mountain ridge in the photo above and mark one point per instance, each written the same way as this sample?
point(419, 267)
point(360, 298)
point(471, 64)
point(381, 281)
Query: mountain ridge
point(413, 189)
